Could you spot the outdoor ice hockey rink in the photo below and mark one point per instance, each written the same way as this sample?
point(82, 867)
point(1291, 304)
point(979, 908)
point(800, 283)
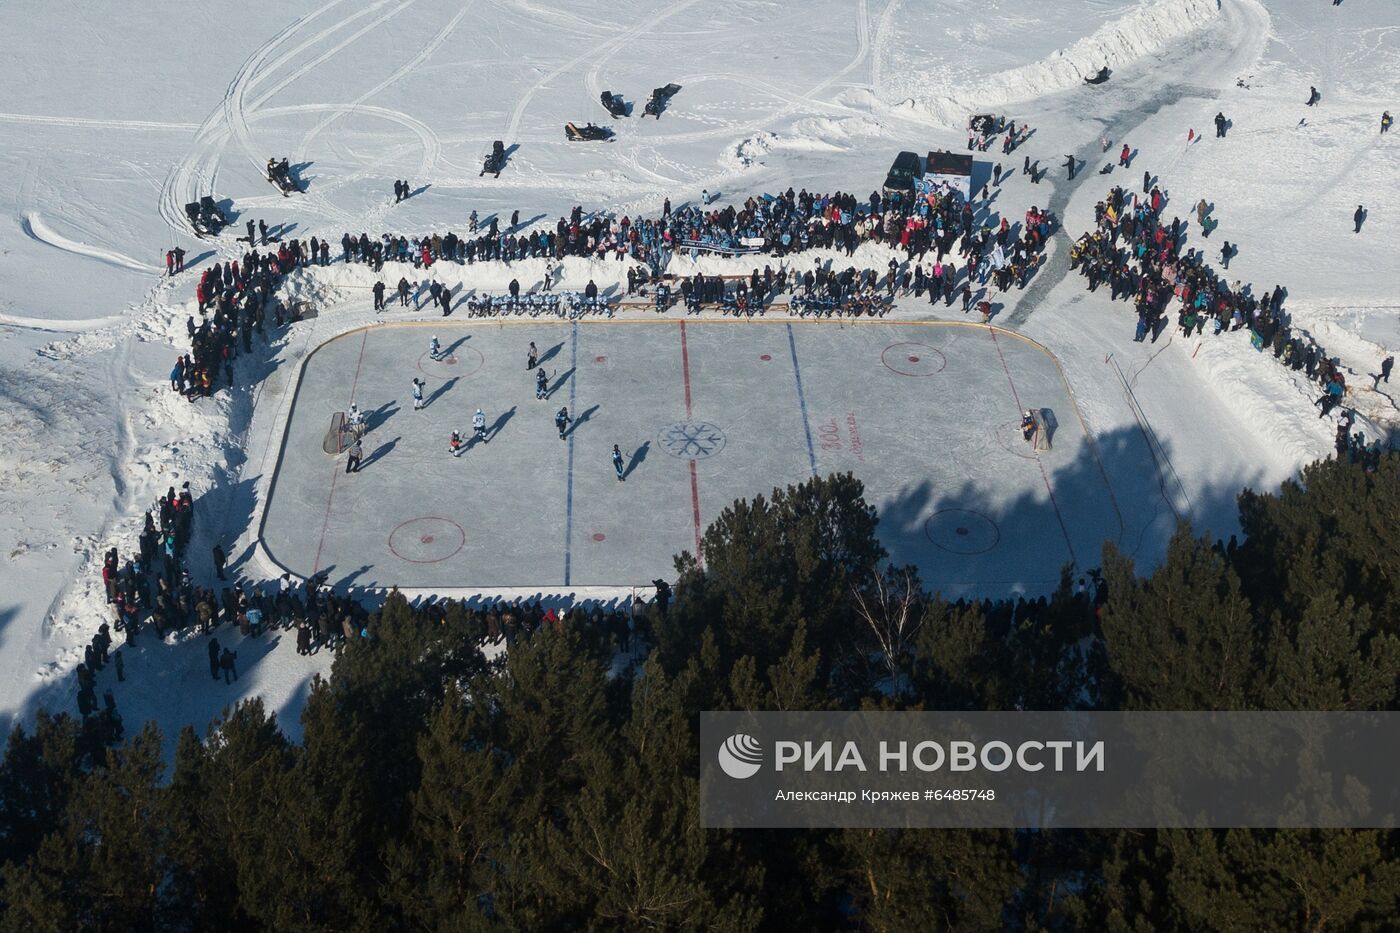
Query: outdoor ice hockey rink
point(926, 415)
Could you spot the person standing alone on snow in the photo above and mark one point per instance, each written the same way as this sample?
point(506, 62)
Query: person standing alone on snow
point(1069, 165)
point(1313, 96)
point(226, 661)
point(1220, 124)
point(1386, 121)
point(417, 394)
point(617, 461)
point(1359, 217)
point(1387, 365)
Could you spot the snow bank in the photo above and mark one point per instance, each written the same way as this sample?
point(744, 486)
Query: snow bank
point(1266, 395)
point(1143, 31)
point(814, 134)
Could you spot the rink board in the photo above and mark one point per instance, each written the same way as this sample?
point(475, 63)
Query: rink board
point(926, 415)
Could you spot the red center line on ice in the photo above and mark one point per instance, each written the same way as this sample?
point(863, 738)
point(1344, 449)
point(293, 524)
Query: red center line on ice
point(694, 479)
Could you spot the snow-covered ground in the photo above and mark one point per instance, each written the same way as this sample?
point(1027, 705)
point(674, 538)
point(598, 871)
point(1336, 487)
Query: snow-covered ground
point(113, 116)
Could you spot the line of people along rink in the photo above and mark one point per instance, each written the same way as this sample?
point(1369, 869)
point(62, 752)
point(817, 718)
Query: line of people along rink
point(770, 227)
point(1138, 255)
point(237, 299)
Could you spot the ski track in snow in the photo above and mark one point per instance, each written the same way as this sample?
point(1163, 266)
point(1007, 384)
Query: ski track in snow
point(603, 51)
point(95, 123)
point(430, 154)
point(35, 228)
point(66, 326)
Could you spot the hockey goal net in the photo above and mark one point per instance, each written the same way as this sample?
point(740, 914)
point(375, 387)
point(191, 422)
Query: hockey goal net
point(1044, 428)
point(338, 436)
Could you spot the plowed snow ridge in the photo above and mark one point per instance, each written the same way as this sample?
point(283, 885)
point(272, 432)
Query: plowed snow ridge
point(1143, 31)
point(35, 229)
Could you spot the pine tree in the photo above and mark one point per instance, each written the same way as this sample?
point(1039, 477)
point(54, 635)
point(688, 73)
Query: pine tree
point(1184, 638)
point(930, 879)
point(37, 778)
point(1335, 529)
point(103, 868)
point(215, 792)
point(304, 840)
point(459, 818)
point(800, 554)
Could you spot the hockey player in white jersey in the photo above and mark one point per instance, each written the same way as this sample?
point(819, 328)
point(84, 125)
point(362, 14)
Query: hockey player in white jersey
point(479, 425)
point(435, 348)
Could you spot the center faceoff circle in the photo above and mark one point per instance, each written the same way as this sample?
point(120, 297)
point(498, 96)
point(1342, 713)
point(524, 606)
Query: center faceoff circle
point(691, 440)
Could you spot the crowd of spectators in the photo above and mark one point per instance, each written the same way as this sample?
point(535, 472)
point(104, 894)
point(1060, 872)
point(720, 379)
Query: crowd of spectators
point(1138, 255)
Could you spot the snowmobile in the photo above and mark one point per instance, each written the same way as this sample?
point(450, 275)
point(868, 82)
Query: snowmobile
point(589, 133)
point(658, 100)
point(1099, 78)
point(210, 218)
point(614, 104)
point(196, 222)
point(280, 174)
point(495, 160)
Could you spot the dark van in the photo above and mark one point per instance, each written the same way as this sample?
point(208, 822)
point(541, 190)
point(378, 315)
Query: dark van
point(902, 173)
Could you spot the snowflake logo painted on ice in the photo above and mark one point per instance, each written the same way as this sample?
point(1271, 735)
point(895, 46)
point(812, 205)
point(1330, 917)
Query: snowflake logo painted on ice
point(691, 440)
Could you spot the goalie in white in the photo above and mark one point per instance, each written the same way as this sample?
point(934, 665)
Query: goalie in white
point(355, 420)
